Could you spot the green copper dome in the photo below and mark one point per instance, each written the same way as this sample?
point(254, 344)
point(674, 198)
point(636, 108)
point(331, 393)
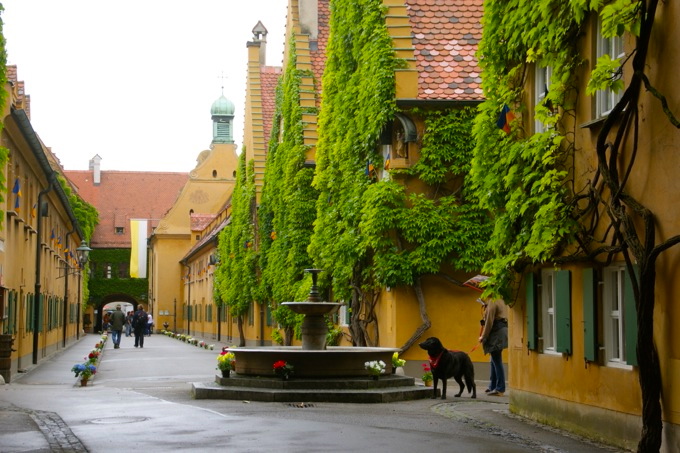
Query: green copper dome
point(222, 106)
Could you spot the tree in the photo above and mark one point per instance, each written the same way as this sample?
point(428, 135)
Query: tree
point(528, 181)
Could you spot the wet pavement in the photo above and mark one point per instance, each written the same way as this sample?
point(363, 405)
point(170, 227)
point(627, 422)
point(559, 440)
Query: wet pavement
point(141, 399)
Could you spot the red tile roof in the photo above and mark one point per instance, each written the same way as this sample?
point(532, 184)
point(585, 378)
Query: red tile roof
point(208, 237)
point(445, 35)
point(20, 99)
point(125, 195)
point(269, 77)
point(318, 55)
point(200, 221)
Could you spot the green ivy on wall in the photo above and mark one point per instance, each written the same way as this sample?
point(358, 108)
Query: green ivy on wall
point(522, 178)
point(100, 286)
point(88, 218)
point(4, 152)
point(235, 276)
point(287, 211)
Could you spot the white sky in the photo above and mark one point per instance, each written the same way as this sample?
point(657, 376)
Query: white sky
point(133, 80)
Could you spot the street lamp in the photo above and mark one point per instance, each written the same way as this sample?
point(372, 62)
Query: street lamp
point(83, 253)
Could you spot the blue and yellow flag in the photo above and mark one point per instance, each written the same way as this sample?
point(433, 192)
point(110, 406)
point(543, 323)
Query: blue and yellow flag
point(16, 190)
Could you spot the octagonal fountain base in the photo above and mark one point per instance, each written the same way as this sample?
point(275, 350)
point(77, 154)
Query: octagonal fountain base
point(335, 361)
point(387, 389)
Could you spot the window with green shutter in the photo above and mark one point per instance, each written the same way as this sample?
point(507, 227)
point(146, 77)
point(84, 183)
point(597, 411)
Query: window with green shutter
point(619, 316)
point(590, 314)
point(563, 312)
point(41, 313)
point(29, 312)
point(531, 312)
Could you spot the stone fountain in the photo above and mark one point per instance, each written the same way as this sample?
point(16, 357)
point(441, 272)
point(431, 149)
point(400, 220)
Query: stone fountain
point(321, 372)
point(314, 358)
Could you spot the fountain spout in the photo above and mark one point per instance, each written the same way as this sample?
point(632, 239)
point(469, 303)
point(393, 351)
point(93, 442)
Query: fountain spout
point(314, 327)
point(314, 290)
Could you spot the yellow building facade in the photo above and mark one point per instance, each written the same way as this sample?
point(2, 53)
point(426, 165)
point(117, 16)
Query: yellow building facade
point(40, 277)
point(210, 186)
point(573, 330)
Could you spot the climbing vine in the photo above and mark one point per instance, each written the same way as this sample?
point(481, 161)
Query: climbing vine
point(372, 231)
point(235, 276)
point(286, 214)
point(88, 218)
point(358, 101)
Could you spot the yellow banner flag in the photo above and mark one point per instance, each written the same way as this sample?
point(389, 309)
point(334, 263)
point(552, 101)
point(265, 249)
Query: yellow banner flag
point(138, 231)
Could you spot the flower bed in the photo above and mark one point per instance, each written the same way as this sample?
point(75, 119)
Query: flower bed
point(188, 339)
point(85, 371)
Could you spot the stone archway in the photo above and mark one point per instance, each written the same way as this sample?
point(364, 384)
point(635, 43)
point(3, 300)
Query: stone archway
point(109, 302)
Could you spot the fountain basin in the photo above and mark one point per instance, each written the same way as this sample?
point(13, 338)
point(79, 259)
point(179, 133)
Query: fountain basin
point(313, 308)
point(335, 361)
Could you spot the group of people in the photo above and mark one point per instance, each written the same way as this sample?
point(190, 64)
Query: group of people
point(139, 322)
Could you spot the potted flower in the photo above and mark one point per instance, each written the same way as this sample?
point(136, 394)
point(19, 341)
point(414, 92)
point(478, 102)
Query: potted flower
point(375, 368)
point(283, 369)
point(226, 362)
point(397, 362)
point(93, 356)
point(427, 375)
point(84, 371)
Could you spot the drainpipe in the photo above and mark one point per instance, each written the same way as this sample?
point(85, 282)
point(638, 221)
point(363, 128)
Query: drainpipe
point(38, 262)
point(219, 322)
point(189, 311)
point(66, 295)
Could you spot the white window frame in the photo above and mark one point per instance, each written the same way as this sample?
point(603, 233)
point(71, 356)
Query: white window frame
point(542, 78)
point(613, 312)
point(605, 100)
point(548, 311)
point(343, 315)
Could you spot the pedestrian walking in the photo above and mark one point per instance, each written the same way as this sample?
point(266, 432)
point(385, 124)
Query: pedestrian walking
point(494, 338)
point(149, 325)
point(117, 320)
point(139, 321)
point(128, 323)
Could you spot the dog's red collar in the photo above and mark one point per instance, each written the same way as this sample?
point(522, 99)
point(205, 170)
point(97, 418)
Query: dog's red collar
point(434, 361)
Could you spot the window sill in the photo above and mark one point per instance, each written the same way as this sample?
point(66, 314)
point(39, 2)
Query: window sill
point(593, 123)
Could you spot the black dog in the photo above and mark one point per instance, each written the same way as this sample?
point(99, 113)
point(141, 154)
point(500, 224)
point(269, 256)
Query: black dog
point(449, 364)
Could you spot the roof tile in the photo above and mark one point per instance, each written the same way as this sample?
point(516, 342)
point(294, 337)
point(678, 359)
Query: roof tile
point(445, 34)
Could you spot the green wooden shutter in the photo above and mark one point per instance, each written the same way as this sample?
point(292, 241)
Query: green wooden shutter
point(630, 319)
point(590, 314)
point(268, 312)
point(41, 312)
point(563, 311)
point(532, 306)
point(11, 311)
point(28, 311)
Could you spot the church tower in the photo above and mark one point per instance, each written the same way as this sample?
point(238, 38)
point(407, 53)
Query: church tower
point(222, 112)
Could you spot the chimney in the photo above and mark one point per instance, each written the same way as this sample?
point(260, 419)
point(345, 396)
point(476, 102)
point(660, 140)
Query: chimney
point(308, 12)
point(260, 36)
point(95, 166)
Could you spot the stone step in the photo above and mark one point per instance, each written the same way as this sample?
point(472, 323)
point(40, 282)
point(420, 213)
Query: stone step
point(331, 395)
point(343, 383)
